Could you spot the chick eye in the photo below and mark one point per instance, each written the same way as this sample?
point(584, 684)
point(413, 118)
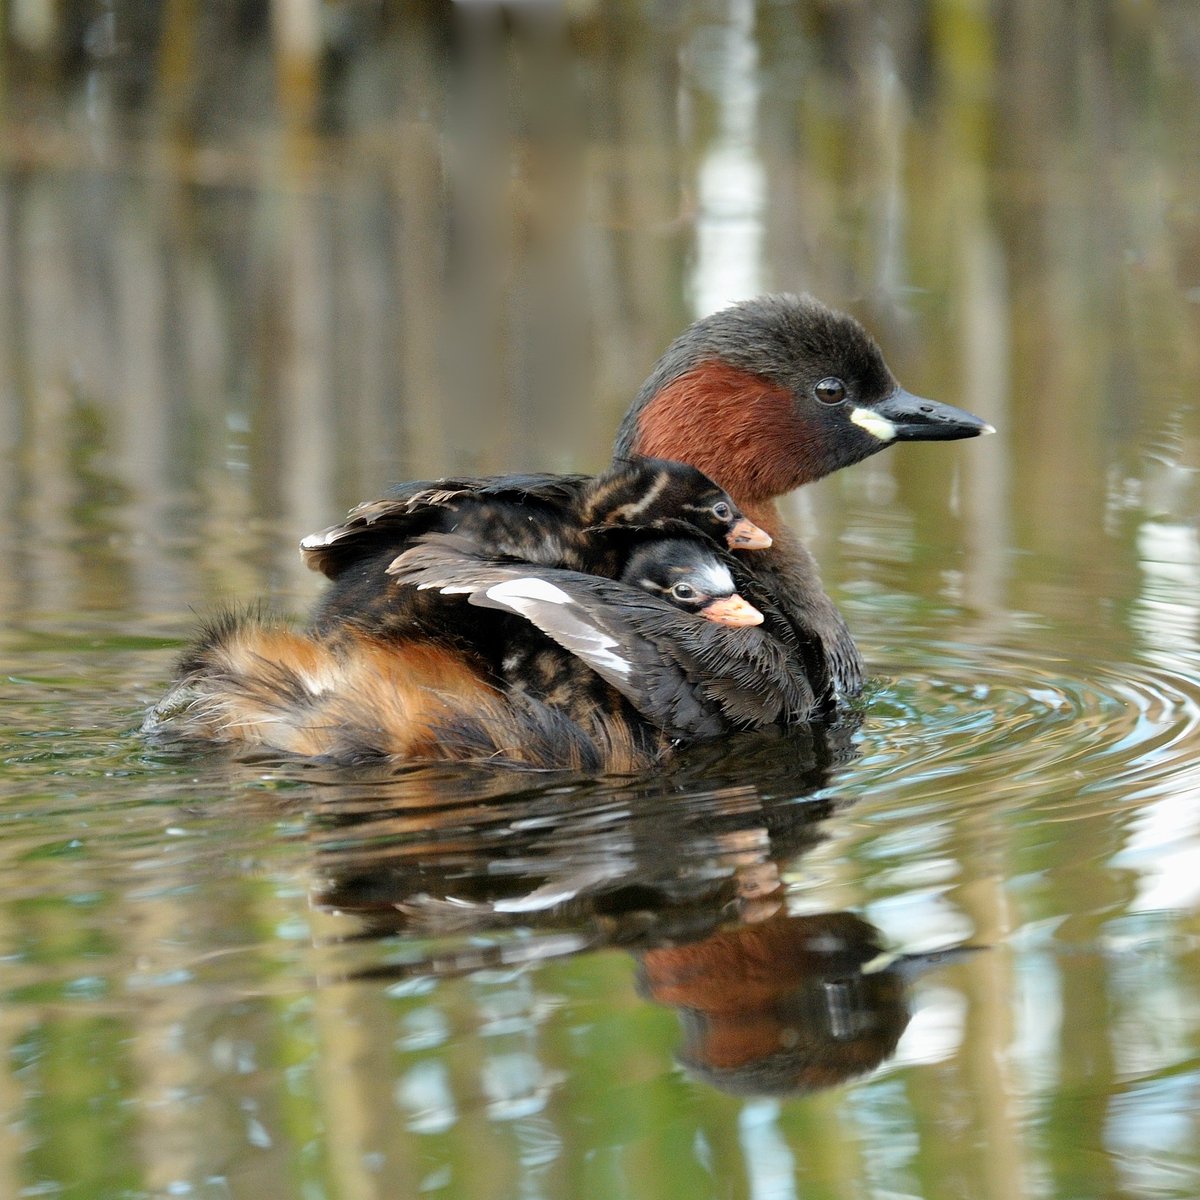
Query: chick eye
point(830, 391)
point(722, 511)
point(683, 591)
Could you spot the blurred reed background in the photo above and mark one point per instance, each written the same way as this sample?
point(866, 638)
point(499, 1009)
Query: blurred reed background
point(259, 259)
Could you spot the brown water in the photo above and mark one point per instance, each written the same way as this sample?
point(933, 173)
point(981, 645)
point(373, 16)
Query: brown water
point(253, 271)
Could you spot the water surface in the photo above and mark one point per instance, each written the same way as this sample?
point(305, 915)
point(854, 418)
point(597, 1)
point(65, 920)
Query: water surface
point(254, 271)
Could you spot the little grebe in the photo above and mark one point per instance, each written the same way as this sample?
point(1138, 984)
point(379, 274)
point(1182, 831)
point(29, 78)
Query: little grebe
point(762, 397)
point(576, 522)
point(587, 645)
point(369, 687)
point(547, 519)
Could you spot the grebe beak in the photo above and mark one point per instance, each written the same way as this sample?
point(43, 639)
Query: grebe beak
point(732, 610)
point(745, 535)
point(903, 417)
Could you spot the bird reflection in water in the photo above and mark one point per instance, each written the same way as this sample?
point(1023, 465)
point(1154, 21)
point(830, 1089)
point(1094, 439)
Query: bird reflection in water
point(451, 870)
point(790, 1004)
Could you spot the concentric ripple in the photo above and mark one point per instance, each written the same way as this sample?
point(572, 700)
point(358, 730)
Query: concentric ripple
point(1034, 726)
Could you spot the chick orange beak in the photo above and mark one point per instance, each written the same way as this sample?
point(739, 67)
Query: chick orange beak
point(745, 535)
point(732, 610)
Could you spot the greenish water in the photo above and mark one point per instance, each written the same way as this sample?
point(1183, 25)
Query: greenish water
point(244, 284)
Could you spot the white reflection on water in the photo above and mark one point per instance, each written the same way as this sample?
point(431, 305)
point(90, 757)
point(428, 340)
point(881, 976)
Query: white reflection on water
point(1169, 558)
point(424, 1092)
point(1150, 1126)
point(928, 918)
point(517, 1085)
point(723, 61)
point(935, 1032)
point(1038, 1010)
point(769, 1160)
point(1165, 851)
point(1165, 845)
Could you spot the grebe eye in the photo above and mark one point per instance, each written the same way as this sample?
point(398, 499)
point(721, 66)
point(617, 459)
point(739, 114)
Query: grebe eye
point(722, 511)
point(683, 591)
point(830, 391)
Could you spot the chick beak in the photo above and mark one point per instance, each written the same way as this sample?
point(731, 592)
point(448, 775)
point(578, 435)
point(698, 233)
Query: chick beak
point(732, 610)
point(745, 535)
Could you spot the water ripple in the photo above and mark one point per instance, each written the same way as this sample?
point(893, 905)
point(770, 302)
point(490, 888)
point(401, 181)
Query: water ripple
point(1019, 721)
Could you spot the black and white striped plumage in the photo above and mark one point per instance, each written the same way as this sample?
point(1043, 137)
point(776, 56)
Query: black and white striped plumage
point(686, 675)
point(572, 521)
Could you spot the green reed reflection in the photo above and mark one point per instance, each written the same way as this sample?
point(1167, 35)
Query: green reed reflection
point(257, 261)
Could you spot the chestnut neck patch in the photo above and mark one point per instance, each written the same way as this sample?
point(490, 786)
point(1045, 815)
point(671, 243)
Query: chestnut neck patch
point(741, 430)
